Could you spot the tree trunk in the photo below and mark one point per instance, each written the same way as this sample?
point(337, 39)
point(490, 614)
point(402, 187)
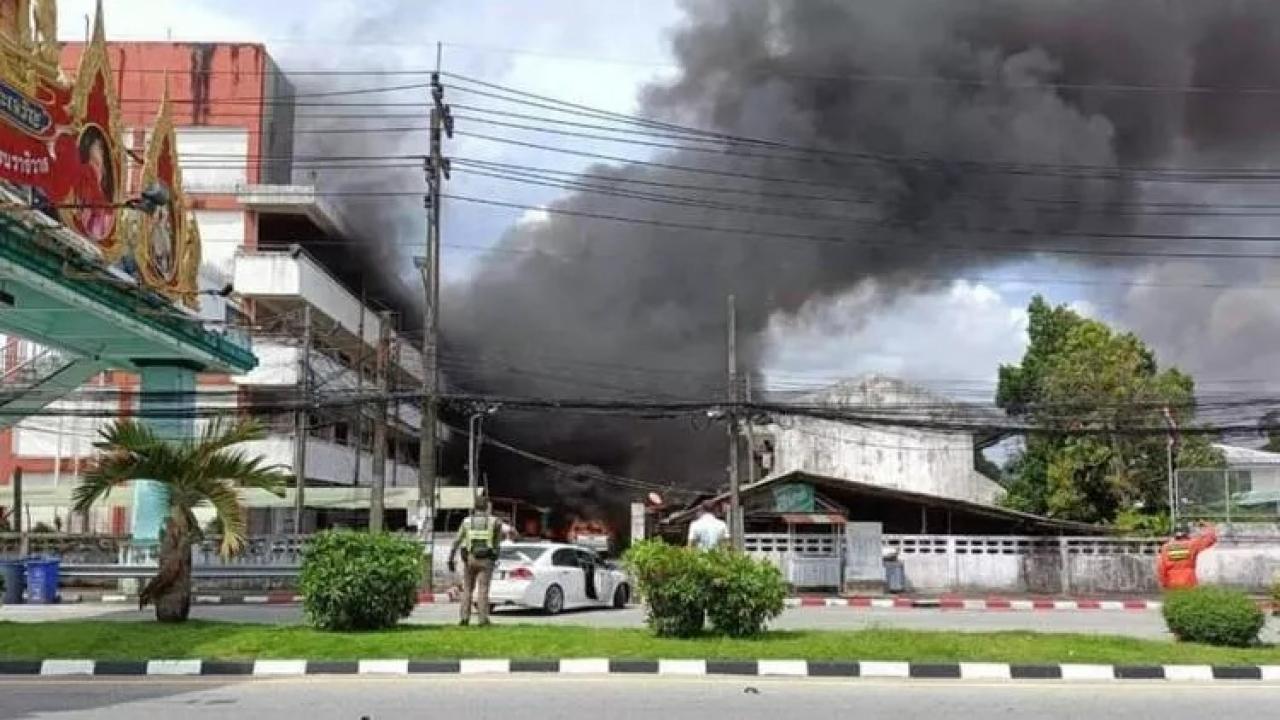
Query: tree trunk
point(170, 589)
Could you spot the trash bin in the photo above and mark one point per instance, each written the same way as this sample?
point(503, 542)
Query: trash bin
point(42, 580)
point(12, 572)
point(895, 575)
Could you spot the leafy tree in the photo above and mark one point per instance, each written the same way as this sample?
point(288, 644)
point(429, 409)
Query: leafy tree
point(1095, 396)
point(194, 472)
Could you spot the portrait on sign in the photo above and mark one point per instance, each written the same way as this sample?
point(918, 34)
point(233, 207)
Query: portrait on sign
point(161, 250)
point(94, 212)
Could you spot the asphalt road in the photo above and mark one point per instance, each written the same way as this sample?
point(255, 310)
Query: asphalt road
point(1133, 623)
point(322, 698)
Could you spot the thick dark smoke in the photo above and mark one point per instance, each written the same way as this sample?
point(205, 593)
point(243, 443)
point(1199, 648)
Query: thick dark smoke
point(571, 307)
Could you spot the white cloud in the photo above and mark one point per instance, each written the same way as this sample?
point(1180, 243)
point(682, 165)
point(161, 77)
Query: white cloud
point(952, 340)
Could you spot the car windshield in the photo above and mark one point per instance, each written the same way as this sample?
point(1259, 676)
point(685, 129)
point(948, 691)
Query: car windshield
point(521, 553)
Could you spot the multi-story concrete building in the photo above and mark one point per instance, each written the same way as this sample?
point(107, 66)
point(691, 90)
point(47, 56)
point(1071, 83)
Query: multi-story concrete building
point(234, 112)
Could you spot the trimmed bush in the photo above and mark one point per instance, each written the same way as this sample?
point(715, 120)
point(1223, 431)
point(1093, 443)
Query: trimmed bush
point(1275, 597)
point(359, 581)
point(745, 593)
point(1213, 615)
point(683, 587)
point(673, 582)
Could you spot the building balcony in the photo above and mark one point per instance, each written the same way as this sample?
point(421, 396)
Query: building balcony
point(284, 282)
point(329, 462)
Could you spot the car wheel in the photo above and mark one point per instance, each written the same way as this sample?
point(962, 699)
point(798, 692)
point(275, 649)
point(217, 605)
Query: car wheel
point(553, 603)
point(621, 597)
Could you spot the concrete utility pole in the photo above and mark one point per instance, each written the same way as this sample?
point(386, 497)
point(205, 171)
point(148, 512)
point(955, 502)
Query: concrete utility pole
point(437, 170)
point(18, 525)
point(381, 370)
point(357, 418)
point(301, 420)
point(731, 422)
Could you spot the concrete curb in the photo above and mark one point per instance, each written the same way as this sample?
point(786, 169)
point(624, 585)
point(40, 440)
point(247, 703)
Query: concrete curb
point(856, 603)
point(945, 602)
point(948, 602)
point(983, 671)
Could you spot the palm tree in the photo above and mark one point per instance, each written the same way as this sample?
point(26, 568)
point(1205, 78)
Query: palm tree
point(194, 471)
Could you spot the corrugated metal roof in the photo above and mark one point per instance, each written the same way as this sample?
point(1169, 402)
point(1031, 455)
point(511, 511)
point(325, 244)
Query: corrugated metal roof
point(1237, 456)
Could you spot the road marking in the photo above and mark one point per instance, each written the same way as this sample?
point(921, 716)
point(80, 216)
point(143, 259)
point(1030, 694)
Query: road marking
point(280, 667)
point(1111, 605)
point(975, 604)
point(1065, 605)
point(480, 667)
point(788, 668)
point(584, 666)
point(884, 669)
point(1088, 672)
point(1022, 605)
point(115, 598)
point(1270, 672)
point(1188, 672)
point(383, 667)
point(208, 599)
point(881, 602)
point(173, 667)
point(984, 671)
point(66, 667)
point(255, 599)
point(837, 602)
point(682, 667)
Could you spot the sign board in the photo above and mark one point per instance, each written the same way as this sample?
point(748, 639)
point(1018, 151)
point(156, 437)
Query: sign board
point(62, 142)
point(793, 497)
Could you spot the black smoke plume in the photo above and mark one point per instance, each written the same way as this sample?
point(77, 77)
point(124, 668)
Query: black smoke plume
point(1038, 93)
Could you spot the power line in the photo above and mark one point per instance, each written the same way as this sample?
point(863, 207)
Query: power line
point(871, 222)
point(897, 243)
point(1016, 167)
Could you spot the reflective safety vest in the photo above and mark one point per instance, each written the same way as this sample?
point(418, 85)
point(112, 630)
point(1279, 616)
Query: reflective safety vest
point(480, 536)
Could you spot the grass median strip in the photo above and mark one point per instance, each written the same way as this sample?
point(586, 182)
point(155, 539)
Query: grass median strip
point(232, 641)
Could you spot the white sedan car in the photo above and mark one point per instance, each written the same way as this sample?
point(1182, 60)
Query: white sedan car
point(556, 577)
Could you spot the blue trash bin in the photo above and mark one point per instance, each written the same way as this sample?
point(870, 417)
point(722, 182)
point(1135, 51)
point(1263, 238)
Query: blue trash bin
point(42, 580)
point(14, 581)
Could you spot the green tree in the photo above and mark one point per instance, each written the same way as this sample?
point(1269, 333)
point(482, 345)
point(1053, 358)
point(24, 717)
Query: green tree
point(1096, 397)
point(194, 472)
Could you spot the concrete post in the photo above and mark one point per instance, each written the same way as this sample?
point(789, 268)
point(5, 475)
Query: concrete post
point(168, 407)
point(1064, 556)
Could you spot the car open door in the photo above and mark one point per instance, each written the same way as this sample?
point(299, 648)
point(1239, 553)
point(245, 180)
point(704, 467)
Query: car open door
point(567, 573)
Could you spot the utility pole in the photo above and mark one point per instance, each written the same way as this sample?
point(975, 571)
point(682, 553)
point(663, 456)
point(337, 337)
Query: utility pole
point(731, 422)
point(357, 420)
point(300, 423)
point(752, 473)
point(378, 491)
point(18, 525)
point(437, 170)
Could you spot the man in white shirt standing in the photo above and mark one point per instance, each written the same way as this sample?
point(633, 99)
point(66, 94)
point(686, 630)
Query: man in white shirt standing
point(708, 531)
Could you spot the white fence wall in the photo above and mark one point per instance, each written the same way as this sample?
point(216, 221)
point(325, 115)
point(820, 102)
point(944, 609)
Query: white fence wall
point(1018, 564)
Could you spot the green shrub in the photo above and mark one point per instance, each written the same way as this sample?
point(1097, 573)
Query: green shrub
point(673, 582)
point(682, 588)
point(1275, 597)
point(1213, 615)
point(359, 581)
point(745, 593)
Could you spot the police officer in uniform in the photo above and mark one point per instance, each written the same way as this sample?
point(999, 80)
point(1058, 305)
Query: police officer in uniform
point(478, 539)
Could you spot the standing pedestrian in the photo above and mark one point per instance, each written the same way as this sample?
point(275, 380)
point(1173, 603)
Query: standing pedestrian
point(1176, 565)
point(478, 539)
point(708, 531)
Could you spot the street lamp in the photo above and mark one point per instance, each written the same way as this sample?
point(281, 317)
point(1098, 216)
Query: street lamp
point(475, 425)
